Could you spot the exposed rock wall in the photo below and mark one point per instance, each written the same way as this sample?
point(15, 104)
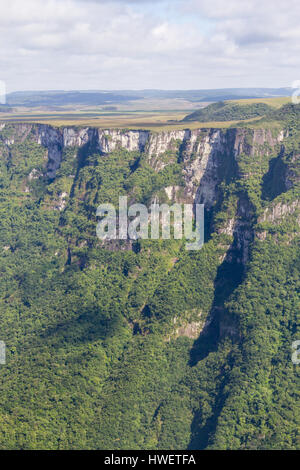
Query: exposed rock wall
point(206, 154)
point(200, 148)
point(276, 212)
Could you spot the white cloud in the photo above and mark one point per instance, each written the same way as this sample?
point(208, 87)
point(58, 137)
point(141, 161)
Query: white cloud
point(72, 44)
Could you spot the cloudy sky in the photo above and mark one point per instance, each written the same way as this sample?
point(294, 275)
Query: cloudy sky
point(137, 44)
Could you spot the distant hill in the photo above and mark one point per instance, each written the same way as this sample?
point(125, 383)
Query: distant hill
point(113, 97)
point(65, 98)
point(222, 111)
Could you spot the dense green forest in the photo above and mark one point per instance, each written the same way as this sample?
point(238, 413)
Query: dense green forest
point(145, 345)
point(229, 111)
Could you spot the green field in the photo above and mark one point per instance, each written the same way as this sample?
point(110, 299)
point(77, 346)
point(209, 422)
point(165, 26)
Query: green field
point(154, 115)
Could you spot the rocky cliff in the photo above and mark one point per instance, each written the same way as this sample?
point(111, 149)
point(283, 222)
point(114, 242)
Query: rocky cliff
point(209, 157)
point(201, 149)
point(92, 325)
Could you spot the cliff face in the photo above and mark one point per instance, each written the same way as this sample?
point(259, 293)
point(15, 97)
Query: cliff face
point(117, 312)
point(209, 157)
point(200, 149)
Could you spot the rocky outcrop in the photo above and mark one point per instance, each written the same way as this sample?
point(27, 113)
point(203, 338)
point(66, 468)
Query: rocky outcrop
point(199, 148)
point(278, 211)
point(34, 174)
point(206, 154)
point(240, 228)
point(164, 144)
point(51, 138)
point(203, 155)
point(261, 140)
point(191, 330)
point(112, 139)
point(55, 139)
point(73, 137)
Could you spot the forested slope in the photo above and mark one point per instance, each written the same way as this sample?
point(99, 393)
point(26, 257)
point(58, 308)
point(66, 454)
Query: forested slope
point(145, 345)
point(229, 111)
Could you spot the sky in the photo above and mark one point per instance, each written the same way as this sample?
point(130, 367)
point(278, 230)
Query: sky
point(139, 44)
